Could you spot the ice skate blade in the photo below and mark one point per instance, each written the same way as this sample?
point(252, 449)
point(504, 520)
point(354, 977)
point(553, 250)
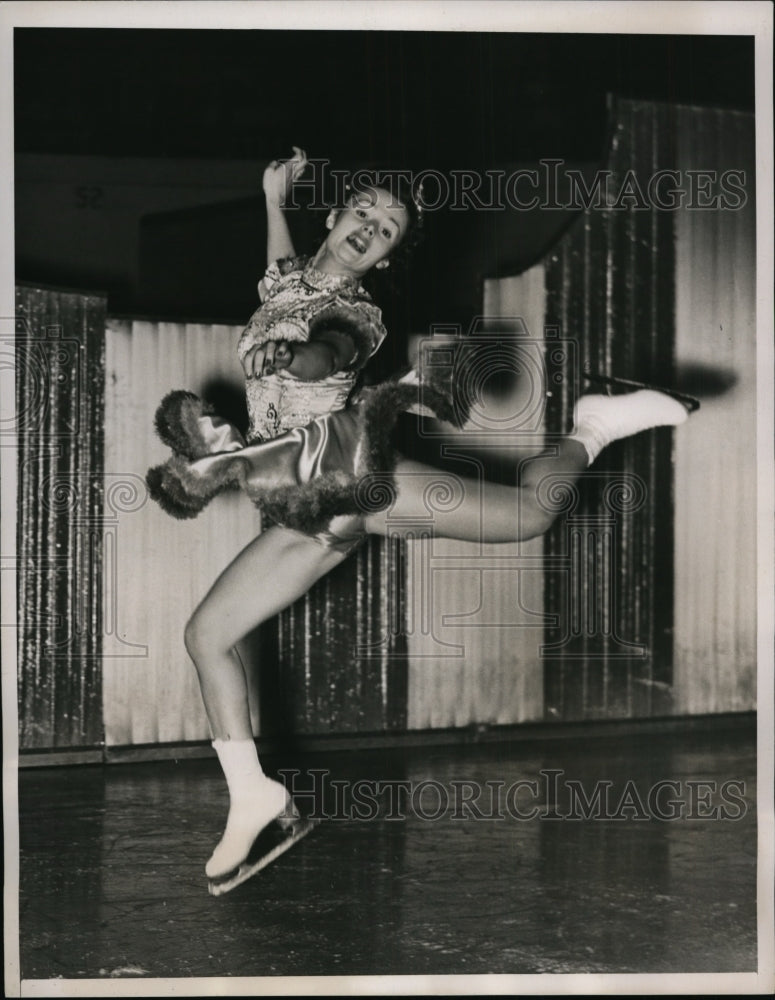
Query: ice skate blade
point(689, 402)
point(269, 845)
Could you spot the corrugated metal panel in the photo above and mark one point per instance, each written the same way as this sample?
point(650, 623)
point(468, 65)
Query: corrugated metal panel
point(475, 613)
point(342, 648)
point(157, 569)
point(610, 289)
point(716, 469)
point(59, 365)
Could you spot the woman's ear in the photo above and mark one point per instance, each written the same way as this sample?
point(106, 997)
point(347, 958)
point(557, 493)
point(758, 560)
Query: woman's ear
point(331, 218)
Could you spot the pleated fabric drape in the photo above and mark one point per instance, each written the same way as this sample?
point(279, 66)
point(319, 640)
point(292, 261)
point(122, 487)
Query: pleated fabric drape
point(610, 290)
point(654, 585)
point(475, 616)
point(717, 471)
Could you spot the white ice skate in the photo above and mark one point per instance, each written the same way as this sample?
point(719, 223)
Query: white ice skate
point(273, 841)
point(263, 821)
point(600, 420)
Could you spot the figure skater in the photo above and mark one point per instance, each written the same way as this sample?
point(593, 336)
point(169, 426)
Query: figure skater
point(313, 453)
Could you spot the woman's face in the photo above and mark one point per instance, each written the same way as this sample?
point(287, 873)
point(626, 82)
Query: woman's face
point(367, 230)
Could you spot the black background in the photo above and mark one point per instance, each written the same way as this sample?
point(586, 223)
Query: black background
point(411, 100)
point(453, 99)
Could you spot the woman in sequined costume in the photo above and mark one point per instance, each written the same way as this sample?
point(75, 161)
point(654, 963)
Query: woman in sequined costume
point(322, 467)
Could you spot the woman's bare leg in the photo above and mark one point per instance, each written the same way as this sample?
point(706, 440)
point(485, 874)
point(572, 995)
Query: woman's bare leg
point(469, 509)
point(451, 506)
point(276, 569)
point(272, 572)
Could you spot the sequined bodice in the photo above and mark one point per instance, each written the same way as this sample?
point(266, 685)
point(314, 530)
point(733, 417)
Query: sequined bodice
point(295, 293)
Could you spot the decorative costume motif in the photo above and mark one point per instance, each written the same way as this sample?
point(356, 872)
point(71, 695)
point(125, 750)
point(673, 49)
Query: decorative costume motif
point(324, 464)
point(297, 300)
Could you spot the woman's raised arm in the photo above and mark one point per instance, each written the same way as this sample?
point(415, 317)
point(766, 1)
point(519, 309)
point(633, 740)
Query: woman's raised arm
point(277, 182)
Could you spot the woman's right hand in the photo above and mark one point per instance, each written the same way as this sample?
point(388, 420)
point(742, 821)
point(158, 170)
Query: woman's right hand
point(271, 357)
point(280, 175)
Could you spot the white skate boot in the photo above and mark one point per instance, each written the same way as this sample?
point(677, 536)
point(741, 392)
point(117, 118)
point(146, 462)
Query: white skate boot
point(600, 420)
point(256, 801)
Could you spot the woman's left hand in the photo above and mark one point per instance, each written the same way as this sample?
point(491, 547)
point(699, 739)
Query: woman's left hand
point(280, 175)
point(271, 357)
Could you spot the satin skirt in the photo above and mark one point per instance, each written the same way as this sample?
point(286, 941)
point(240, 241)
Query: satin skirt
point(309, 479)
point(322, 479)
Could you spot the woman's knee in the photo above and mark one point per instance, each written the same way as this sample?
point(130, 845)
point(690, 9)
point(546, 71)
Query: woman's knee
point(202, 637)
point(192, 636)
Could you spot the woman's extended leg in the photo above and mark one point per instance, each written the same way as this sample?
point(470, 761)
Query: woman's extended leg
point(276, 569)
point(475, 510)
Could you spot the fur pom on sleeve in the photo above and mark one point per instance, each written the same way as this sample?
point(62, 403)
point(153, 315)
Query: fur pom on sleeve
point(177, 423)
point(359, 324)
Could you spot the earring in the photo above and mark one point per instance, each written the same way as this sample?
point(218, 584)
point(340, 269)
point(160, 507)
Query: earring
point(382, 264)
point(330, 220)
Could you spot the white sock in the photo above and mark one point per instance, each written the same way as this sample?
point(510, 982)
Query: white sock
point(599, 420)
point(255, 801)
